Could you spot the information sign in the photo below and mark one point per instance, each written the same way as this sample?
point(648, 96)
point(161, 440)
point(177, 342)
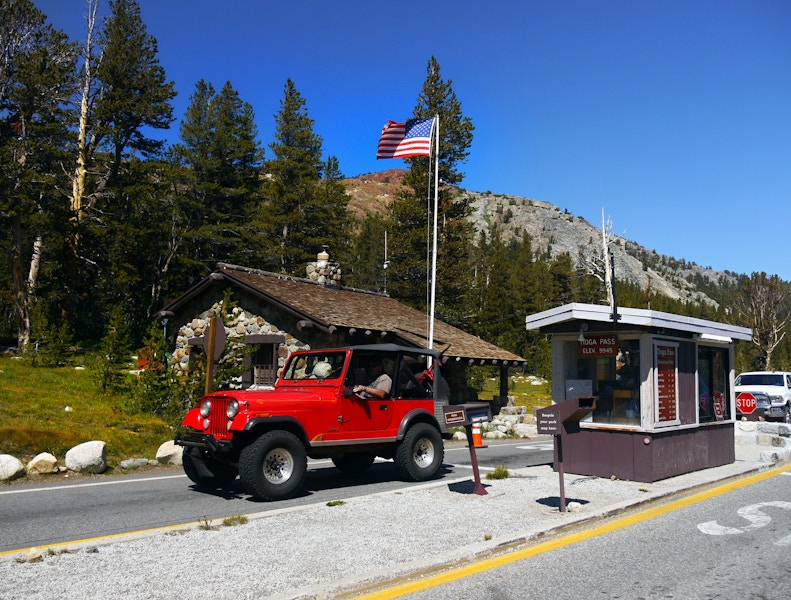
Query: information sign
point(666, 382)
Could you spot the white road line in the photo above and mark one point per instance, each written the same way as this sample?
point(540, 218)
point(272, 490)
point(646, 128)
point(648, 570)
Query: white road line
point(83, 485)
point(480, 468)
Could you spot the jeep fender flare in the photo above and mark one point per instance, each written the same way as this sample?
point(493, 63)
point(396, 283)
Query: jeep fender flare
point(269, 423)
point(416, 416)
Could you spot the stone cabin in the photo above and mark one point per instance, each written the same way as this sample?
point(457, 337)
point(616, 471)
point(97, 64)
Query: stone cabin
point(280, 314)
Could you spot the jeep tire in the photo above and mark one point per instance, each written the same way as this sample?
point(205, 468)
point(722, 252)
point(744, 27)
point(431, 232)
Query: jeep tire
point(204, 472)
point(419, 455)
point(274, 466)
point(354, 463)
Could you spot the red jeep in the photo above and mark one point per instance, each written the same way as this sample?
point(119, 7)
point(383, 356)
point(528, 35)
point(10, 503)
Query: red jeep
point(265, 436)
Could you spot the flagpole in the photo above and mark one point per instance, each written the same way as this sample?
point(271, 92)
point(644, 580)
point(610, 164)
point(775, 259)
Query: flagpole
point(434, 243)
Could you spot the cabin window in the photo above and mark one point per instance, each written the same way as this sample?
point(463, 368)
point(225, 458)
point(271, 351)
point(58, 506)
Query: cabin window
point(713, 385)
point(609, 369)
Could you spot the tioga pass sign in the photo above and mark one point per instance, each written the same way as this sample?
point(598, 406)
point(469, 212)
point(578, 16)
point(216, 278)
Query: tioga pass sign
point(597, 346)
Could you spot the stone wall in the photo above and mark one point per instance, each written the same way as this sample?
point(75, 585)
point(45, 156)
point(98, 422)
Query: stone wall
point(239, 324)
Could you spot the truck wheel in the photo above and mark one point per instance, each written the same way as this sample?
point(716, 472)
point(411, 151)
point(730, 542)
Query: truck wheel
point(787, 415)
point(273, 467)
point(207, 474)
point(354, 462)
point(419, 455)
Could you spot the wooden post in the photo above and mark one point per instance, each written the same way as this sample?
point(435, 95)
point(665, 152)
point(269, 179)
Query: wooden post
point(214, 322)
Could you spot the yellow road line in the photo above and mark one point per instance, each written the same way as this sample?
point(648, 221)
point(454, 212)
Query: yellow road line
point(104, 538)
point(566, 540)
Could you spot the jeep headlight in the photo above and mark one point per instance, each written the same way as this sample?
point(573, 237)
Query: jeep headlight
point(205, 408)
point(232, 410)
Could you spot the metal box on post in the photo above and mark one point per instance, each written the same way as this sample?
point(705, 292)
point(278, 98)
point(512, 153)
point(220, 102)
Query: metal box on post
point(551, 420)
point(458, 415)
point(558, 420)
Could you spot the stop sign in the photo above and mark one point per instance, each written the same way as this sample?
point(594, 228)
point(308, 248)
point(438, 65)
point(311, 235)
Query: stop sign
point(746, 403)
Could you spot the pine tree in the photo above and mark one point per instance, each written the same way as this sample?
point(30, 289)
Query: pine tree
point(135, 93)
point(304, 203)
point(414, 203)
point(365, 257)
point(37, 65)
point(223, 158)
point(128, 100)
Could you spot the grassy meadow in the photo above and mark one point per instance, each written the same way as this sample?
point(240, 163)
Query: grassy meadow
point(45, 409)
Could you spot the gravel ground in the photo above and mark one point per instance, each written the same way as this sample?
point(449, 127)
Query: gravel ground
point(320, 550)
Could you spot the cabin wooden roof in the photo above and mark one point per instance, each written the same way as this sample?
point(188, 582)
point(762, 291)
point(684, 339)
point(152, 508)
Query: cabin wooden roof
point(341, 308)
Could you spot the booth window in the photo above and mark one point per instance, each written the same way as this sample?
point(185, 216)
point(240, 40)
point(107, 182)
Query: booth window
point(613, 379)
point(713, 385)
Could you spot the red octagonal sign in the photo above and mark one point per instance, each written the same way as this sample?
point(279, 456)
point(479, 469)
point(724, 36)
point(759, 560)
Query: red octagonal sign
point(746, 403)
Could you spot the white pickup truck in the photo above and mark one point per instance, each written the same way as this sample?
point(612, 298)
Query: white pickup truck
point(776, 385)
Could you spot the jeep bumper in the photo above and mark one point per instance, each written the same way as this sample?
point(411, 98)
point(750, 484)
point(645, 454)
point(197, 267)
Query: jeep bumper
point(203, 441)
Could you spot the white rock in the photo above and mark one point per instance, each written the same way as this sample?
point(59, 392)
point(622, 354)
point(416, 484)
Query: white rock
point(89, 457)
point(169, 454)
point(33, 556)
point(523, 430)
point(43, 464)
point(10, 467)
point(460, 436)
point(134, 463)
point(574, 507)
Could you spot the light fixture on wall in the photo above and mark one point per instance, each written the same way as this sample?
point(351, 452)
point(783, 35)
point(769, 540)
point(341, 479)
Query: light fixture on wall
point(583, 329)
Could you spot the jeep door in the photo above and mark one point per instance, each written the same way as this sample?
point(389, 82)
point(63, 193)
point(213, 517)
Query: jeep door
point(359, 414)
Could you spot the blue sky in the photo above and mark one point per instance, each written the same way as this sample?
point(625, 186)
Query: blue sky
point(673, 116)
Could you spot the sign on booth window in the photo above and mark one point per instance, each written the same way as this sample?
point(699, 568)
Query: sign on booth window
point(666, 383)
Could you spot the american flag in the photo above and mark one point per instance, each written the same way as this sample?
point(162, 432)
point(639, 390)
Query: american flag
point(400, 140)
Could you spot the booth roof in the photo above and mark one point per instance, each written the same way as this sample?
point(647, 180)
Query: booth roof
point(547, 321)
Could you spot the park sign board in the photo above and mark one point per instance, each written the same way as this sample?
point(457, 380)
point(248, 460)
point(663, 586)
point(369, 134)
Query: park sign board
point(597, 346)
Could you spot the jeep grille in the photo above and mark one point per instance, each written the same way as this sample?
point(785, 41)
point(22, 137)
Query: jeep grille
point(218, 421)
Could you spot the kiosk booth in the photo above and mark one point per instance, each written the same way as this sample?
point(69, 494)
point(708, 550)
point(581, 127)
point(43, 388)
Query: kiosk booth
point(662, 384)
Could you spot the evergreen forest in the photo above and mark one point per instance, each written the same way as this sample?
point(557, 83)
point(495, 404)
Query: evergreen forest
point(103, 222)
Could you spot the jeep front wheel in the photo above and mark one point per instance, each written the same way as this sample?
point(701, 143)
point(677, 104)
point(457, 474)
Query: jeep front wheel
point(419, 455)
point(204, 472)
point(273, 467)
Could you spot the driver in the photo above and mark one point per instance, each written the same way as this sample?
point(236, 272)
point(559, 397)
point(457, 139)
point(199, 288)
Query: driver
point(380, 381)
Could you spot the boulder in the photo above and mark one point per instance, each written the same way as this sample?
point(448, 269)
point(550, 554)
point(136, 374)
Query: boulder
point(43, 464)
point(10, 467)
point(89, 457)
point(523, 430)
point(169, 453)
point(134, 463)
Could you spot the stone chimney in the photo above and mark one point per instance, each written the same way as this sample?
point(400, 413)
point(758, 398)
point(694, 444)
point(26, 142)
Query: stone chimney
point(323, 271)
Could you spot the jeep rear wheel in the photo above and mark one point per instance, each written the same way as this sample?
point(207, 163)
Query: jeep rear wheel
point(419, 455)
point(354, 462)
point(273, 467)
point(204, 472)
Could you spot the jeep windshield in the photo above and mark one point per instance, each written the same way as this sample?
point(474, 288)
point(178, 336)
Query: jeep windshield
point(323, 365)
point(759, 379)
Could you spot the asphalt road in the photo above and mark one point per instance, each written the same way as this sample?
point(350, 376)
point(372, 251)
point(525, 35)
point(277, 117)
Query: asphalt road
point(55, 510)
point(732, 546)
